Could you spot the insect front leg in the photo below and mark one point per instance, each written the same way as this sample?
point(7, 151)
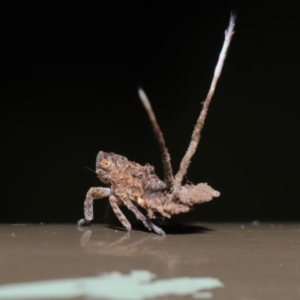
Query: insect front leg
point(114, 205)
point(92, 194)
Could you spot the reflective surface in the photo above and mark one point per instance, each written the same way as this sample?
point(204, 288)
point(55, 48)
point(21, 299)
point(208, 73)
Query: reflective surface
point(248, 261)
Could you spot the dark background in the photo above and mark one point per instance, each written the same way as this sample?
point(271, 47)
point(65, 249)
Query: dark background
point(69, 89)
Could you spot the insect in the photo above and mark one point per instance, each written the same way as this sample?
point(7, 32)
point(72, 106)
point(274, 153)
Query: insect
point(134, 185)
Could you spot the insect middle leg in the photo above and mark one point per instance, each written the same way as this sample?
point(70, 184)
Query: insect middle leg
point(92, 194)
point(147, 223)
point(114, 205)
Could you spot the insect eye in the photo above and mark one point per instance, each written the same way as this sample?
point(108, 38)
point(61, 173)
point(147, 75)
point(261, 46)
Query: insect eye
point(105, 164)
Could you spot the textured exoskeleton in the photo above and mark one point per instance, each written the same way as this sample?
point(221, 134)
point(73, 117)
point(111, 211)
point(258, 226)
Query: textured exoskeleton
point(133, 185)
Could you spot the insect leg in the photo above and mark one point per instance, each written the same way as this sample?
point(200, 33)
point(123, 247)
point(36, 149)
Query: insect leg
point(114, 204)
point(92, 194)
point(147, 223)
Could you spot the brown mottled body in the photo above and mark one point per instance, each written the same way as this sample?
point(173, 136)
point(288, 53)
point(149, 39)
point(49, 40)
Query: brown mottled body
point(134, 185)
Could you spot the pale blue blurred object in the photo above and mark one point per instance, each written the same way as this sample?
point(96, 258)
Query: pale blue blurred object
point(137, 285)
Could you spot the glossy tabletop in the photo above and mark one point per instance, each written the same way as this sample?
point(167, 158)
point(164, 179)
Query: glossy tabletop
point(199, 261)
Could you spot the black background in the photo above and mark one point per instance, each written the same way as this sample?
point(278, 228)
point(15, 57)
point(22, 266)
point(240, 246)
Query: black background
point(69, 89)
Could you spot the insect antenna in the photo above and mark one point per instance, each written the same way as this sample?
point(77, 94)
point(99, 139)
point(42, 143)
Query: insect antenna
point(90, 169)
point(200, 122)
point(166, 159)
